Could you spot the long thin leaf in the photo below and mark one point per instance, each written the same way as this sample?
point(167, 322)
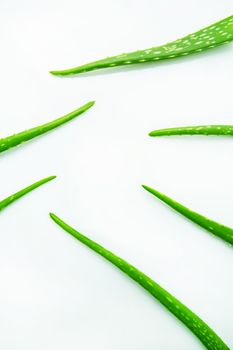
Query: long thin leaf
point(14, 140)
point(206, 335)
point(217, 34)
point(224, 232)
point(219, 130)
point(9, 200)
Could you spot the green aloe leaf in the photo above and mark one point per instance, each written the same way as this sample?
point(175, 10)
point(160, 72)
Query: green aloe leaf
point(217, 34)
point(224, 232)
point(206, 335)
point(14, 140)
point(9, 200)
point(219, 130)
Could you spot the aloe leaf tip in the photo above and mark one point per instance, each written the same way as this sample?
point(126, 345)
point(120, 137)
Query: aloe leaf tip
point(51, 177)
point(217, 229)
point(205, 334)
point(91, 103)
point(7, 201)
point(147, 188)
point(53, 216)
point(209, 37)
point(17, 139)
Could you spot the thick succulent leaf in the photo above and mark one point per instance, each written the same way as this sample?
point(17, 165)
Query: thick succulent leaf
point(9, 200)
point(219, 130)
point(206, 335)
point(224, 232)
point(217, 34)
point(15, 140)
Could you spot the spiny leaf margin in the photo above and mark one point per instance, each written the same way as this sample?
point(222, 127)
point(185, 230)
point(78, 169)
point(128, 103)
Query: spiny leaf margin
point(224, 232)
point(218, 130)
point(9, 200)
point(212, 36)
point(205, 334)
point(16, 139)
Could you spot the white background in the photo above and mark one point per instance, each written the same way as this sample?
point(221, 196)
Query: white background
point(55, 293)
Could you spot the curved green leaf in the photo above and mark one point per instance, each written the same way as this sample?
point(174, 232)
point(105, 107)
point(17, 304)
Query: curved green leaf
point(9, 200)
point(224, 232)
point(206, 335)
point(217, 34)
point(14, 140)
point(219, 130)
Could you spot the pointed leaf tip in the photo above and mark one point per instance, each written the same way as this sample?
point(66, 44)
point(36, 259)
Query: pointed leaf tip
point(207, 38)
point(91, 103)
point(205, 334)
point(147, 188)
point(152, 133)
point(55, 218)
point(52, 177)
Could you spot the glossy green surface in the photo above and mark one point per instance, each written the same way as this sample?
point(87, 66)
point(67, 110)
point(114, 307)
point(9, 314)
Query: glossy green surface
point(17, 139)
point(205, 334)
point(224, 232)
point(217, 34)
point(219, 130)
point(9, 200)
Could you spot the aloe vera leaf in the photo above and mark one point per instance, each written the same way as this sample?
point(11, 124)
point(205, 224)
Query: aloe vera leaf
point(217, 34)
point(224, 232)
point(15, 140)
point(205, 334)
point(7, 201)
point(219, 130)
